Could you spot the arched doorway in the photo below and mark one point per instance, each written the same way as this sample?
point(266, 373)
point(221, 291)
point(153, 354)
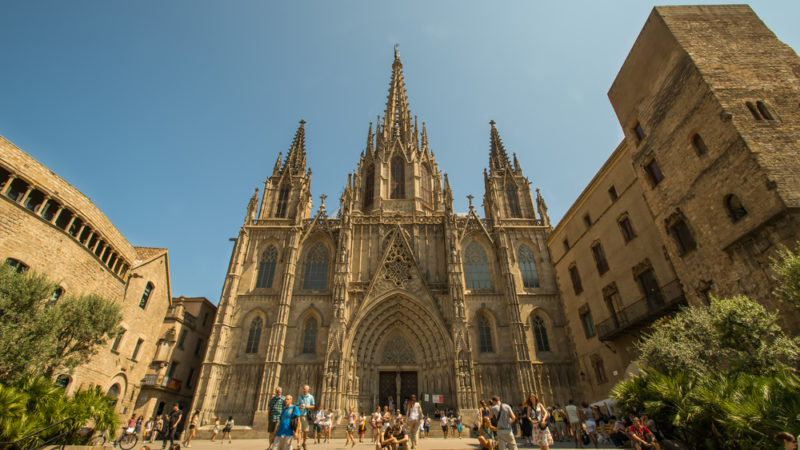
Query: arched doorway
point(401, 347)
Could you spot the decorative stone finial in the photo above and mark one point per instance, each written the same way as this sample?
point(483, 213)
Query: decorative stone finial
point(470, 197)
point(396, 51)
point(322, 202)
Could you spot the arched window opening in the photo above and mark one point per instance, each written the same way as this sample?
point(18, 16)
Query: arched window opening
point(310, 336)
point(699, 145)
point(735, 208)
point(146, 295)
point(16, 265)
point(527, 265)
point(114, 392)
point(425, 185)
point(398, 178)
point(762, 108)
point(512, 200)
point(283, 201)
point(63, 381)
point(266, 267)
point(56, 294)
point(540, 334)
point(254, 336)
point(316, 276)
point(369, 186)
point(17, 190)
point(476, 267)
point(485, 334)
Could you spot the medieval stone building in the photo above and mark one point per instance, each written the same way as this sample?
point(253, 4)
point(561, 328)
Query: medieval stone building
point(397, 294)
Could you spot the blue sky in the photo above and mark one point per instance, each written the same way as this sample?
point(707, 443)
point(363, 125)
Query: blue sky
point(168, 113)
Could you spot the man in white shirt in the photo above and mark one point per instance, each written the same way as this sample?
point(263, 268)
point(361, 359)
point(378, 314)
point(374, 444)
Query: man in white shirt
point(573, 415)
point(306, 404)
point(505, 417)
point(414, 415)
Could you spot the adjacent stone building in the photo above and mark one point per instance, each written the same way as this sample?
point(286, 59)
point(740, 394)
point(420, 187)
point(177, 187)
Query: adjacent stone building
point(180, 349)
point(397, 294)
point(48, 226)
point(700, 194)
point(614, 274)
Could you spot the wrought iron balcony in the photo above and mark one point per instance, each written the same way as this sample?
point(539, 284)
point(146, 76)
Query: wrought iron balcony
point(150, 379)
point(643, 311)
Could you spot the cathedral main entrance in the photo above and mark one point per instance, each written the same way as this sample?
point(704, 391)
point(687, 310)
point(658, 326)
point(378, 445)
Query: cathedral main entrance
point(399, 385)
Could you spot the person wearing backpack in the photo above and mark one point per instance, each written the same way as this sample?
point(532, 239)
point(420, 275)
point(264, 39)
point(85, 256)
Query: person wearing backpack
point(288, 426)
point(502, 417)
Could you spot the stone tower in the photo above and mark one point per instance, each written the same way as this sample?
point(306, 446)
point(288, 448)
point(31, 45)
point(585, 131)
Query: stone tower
point(398, 294)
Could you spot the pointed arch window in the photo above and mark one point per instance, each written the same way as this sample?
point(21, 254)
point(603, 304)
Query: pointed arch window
point(283, 201)
point(266, 267)
point(527, 265)
point(310, 335)
point(316, 275)
point(540, 335)
point(398, 178)
point(512, 200)
point(146, 295)
point(425, 185)
point(254, 336)
point(476, 267)
point(369, 186)
point(485, 334)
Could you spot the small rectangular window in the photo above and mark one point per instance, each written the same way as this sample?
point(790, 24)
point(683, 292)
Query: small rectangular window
point(699, 145)
point(587, 220)
point(612, 192)
point(600, 258)
point(566, 245)
point(654, 173)
point(75, 228)
point(599, 371)
point(189, 377)
point(198, 347)
point(627, 229)
point(588, 323)
point(576, 279)
point(683, 236)
point(117, 341)
point(181, 339)
point(638, 131)
point(136, 349)
point(205, 319)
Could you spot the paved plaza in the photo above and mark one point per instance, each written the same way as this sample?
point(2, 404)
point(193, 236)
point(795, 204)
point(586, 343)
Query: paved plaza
point(434, 443)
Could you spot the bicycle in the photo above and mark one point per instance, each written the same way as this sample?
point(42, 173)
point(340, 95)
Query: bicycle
point(126, 441)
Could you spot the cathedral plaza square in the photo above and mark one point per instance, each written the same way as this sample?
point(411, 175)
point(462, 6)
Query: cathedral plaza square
point(507, 253)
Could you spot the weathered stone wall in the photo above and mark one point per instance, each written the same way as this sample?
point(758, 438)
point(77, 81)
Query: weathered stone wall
point(698, 71)
point(46, 248)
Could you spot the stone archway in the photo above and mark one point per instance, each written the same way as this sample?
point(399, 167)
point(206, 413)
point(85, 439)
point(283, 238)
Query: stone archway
point(399, 334)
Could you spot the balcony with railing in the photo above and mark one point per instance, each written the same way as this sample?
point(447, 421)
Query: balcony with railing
point(645, 310)
point(154, 380)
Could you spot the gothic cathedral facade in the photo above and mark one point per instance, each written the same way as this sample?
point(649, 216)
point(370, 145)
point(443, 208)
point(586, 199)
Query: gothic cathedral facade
point(397, 294)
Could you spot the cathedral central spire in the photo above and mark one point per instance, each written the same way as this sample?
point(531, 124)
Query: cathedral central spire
point(397, 121)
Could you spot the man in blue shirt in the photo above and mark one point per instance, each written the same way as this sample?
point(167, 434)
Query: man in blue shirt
point(306, 404)
point(285, 433)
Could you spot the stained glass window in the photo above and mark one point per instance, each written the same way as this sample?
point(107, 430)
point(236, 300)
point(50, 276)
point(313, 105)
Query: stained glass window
point(527, 265)
point(254, 336)
point(476, 268)
point(316, 275)
point(266, 267)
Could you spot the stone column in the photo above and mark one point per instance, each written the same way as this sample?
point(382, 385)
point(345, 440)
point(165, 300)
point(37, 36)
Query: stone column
point(277, 336)
point(521, 351)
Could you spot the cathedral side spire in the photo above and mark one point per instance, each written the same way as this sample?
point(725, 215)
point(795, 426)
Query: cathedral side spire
point(498, 158)
point(296, 158)
point(397, 120)
point(370, 140)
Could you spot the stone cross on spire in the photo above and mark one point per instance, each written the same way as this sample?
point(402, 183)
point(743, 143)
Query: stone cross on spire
point(322, 202)
point(470, 197)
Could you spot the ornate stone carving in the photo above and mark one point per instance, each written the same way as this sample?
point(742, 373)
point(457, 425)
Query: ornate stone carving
point(397, 266)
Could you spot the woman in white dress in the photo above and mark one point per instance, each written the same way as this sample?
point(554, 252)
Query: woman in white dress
point(538, 415)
